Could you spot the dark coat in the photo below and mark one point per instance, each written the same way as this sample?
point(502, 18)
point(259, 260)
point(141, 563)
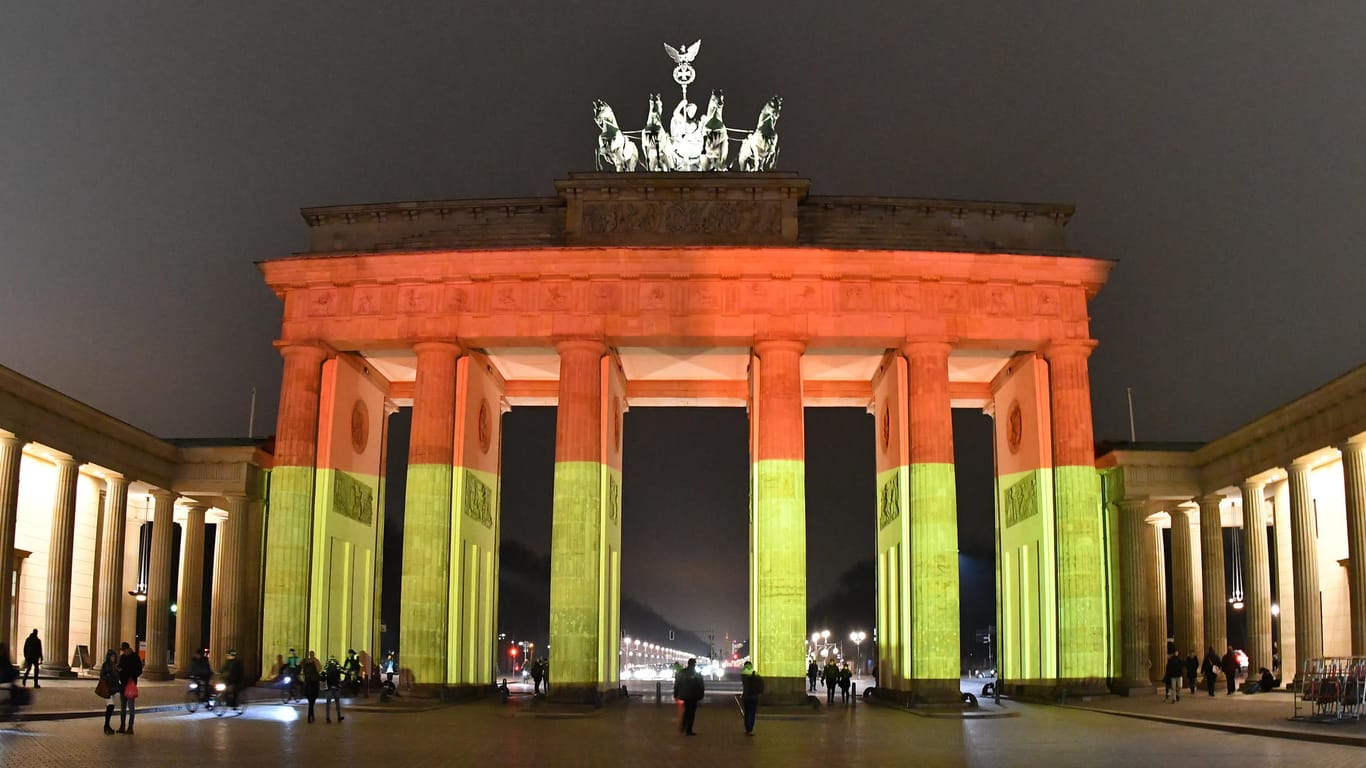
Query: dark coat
point(1229, 664)
point(1211, 664)
point(688, 685)
point(109, 673)
point(1192, 665)
point(130, 668)
point(1175, 668)
point(751, 686)
point(33, 649)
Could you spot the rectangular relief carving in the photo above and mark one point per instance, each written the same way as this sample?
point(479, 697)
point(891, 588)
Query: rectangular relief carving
point(889, 501)
point(352, 498)
point(478, 500)
point(1022, 500)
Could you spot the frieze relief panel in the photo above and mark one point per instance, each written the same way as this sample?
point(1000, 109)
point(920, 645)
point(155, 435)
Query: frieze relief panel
point(352, 498)
point(889, 501)
point(478, 504)
point(681, 220)
point(1022, 500)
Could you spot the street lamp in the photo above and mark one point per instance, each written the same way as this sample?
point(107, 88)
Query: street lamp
point(858, 637)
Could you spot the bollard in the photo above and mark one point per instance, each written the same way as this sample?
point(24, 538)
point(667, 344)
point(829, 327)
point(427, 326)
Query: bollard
point(659, 692)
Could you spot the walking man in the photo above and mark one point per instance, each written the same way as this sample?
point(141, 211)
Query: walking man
point(831, 675)
point(33, 656)
point(751, 687)
point(332, 677)
point(688, 687)
point(812, 672)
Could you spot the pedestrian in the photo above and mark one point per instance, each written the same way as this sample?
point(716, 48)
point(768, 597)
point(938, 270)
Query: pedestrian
point(1171, 677)
point(109, 681)
point(1229, 666)
point(33, 657)
point(1192, 669)
point(537, 672)
point(1266, 683)
point(332, 676)
point(311, 671)
point(831, 677)
point(812, 672)
point(751, 688)
point(845, 679)
point(1210, 668)
point(130, 669)
point(688, 687)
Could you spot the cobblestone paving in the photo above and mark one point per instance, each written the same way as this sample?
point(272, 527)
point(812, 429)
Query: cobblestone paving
point(646, 734)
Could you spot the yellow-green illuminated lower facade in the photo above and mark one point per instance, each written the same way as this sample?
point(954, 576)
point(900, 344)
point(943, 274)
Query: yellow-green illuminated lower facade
point(778, 572)
point(1083, 587)
point(286, 583)
point(1027, 609)
point(426, 572)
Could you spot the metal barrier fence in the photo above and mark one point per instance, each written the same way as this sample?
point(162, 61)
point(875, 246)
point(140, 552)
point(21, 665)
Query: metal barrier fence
point(1332, 688)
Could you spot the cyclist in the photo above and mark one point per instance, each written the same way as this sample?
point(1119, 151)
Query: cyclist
point(293, 669)
point(201, 673)
point(352, 669)
point(233, 677)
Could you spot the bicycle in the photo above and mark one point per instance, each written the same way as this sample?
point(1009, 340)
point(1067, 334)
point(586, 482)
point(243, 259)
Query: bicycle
point(220, 705)
point(198, 693)
point(291, 690)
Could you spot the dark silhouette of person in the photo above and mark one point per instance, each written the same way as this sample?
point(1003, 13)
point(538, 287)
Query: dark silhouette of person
point(1192, 669)
point(33, 657)
point(1266, 682)
point(831, 677)
point(845, 679)
point(812, 672)
point(130, 669)
point(1171, 676)
point(751, 688)
point(109, 675)
point(311, 672)
point(234, 677)
point(689, 688)
point(1210, 668)
point(332, 675)
point(352, 669)
point(1229, 666)
point(537, 672)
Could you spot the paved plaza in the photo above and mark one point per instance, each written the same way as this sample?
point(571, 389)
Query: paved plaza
point(644, 733)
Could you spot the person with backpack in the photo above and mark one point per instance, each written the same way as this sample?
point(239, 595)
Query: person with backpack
point(332, 676)
point(689, 688)
point(751, 688)
point(311, 672)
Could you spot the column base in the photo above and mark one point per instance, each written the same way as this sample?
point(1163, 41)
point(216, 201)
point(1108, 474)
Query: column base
point(785, 692)
point(1060, 689)
point(1134, 688)
point(930, 693)
point(592, 694)
point(56, 670)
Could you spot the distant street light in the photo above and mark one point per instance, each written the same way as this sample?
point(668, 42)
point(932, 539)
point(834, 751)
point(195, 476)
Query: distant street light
point(858, 637)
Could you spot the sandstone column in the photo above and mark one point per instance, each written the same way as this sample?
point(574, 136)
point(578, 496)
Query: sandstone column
point(935, 653)
point(61, 541)
point(1354, 496)
point(190, 605)
point(1156, 590)
point(1212, 573)
point(227, 582)
point(1304, 552)
point(425, 618)
point(1188, 632)
point(159, 584)
point(110, 589)
point(289, 535)
point(1256, 577)
point(1135, 565)
point(777, 530)
point(1083, 652)
point(11, 452)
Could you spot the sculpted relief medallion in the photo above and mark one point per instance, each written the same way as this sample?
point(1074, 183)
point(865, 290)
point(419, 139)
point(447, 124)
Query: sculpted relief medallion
point(1014, 427)
point(360, 426)
point(485, 426)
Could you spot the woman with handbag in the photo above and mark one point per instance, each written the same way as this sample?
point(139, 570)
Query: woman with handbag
point(109, 683)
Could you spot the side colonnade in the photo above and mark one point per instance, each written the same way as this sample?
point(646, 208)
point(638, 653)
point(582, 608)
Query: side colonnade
point(90, 510)
point(1267, 533)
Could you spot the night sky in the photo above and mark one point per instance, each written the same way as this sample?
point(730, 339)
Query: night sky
point(151, 152)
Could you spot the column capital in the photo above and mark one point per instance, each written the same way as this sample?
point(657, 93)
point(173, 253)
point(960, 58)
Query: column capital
point(763, 346)
point(1251, 487)
point(447, 346)
point(1057, 348)
point(305, 350)
point(1356, 444)
point(1209, 500)
point(926, 347)
point(11, 439)
point(1133, 506)
point(1301, 464)
point(580, 344)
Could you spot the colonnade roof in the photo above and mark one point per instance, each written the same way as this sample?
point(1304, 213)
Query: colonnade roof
point(59, 424)
point(1307, 429)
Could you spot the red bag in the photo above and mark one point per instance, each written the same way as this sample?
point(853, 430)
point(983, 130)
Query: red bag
point(130, 691)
